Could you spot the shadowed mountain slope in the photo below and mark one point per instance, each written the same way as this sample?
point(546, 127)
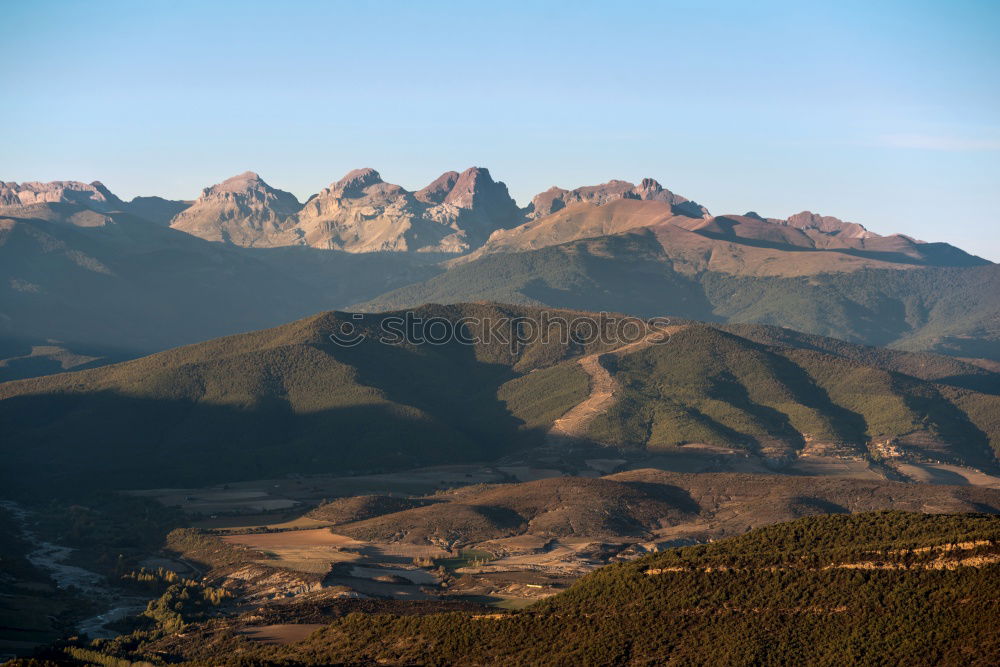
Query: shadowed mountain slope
point(111, 280)
point(280, 400)
point(782, 402)
point(289, 399)
point(948, 309)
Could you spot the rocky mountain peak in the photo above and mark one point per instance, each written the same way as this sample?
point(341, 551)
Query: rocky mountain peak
point(548, 202)
point(829, 225)
point(250, 190)
point(242, 210)
point(94, 196)
point(248, 180)
point(475, 189)
point(438, 189)
point(356, 181)
point(454, 213)
point(649, 189)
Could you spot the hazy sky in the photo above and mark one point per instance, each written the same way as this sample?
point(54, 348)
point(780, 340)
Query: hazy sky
point(884, 113)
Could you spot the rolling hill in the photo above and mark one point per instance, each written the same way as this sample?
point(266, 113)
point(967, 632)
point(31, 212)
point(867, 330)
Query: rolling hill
point(274, 401)
point(636, 506)
point(291, 400)
point(710, 386)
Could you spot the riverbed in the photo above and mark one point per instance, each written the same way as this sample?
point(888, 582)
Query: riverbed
point(51, 558)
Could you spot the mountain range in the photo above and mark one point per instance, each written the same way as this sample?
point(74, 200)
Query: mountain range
point(88, 275)
point(776, 369)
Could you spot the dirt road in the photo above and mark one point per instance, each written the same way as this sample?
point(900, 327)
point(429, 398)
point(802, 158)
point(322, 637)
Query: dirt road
point(603, 387)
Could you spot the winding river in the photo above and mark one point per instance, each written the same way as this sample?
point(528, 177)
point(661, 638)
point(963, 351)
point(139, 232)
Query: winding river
point(51, 558)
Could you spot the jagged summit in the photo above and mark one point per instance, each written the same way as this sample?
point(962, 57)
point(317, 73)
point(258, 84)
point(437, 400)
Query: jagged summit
point(555, 198)
point(475, 184)
point(94, 196)
point(362, 213)
point(241, 182)
point(829, 225)
point(459, 212)
point(242, 210)
point(438, 189)
point(246, 182)
point(355, 182)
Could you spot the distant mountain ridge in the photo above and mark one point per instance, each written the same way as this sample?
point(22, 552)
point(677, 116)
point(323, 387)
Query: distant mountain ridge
point(456, 213)
point(92, 195)
point(115, 281)
point(21, 199)
point(556, 198)
point(85, 268)
point(363, 213)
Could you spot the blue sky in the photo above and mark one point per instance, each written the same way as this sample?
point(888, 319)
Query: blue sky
point(882, 113)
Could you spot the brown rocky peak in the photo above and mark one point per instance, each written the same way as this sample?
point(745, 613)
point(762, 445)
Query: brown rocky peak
point(829, 225)
point(649, 188)
point(356, 181)
point(471, 183)
point(90, 195)
point(106, 194)
point(475, 189)
point(242, 210)
point(438, 189)
point(241, 183)
point(548, 202)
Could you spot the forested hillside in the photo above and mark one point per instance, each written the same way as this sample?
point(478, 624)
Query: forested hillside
point(950, 310)
point(289, 399)
point(868, 589)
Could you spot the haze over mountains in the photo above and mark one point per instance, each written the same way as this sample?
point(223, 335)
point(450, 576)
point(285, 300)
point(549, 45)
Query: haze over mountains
point(83, 268)
point(496, 472)
point(358, 213)
point(455, 213)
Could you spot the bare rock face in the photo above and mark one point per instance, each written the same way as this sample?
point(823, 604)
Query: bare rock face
point(93, 196)
point(476, 206)
point(356, 182)
point(555, 199)
point(244, 211)
point(359, 213)
point(547, 203)
point(475, 190)
point(807, 220)
point(438, 188)
point(362, 213)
